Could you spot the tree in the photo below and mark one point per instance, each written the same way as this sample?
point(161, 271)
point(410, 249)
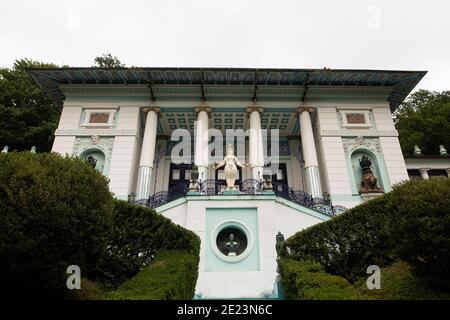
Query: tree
point(54, 212)
point(108, 61)
point(27, 117)
point(424, 119)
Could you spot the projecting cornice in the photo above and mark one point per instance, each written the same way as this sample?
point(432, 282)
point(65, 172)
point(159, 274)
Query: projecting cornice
point(231, 81)
point(239, 91)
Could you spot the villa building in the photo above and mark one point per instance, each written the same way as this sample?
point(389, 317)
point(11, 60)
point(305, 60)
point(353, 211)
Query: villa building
point(336, 146)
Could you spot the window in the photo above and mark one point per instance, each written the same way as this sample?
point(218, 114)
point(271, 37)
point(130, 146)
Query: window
point(280, 174)
point(175, 174)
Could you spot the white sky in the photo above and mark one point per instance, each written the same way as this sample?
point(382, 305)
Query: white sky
point(375, 34)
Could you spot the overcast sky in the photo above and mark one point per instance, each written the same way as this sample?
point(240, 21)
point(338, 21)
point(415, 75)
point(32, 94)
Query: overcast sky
point(376, 34)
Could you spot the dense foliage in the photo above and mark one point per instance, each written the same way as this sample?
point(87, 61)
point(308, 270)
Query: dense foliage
point(54, 212)
point(398, 282)
point(137, 234)
point(309, 281)
point(172, 276)
point(424, 119)
point(108, 61)
point(27, 117)
point(412, 223)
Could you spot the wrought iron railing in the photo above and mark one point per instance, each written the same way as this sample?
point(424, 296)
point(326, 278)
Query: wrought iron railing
point(248, 187)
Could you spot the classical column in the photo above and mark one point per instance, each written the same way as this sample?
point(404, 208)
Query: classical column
point(312, 176)
point(256, 152)
point(147, 153)
point(201, 141)
point(424, 173)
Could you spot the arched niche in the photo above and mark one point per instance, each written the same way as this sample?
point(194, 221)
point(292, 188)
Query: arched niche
point(96, 154)
point(358, 172)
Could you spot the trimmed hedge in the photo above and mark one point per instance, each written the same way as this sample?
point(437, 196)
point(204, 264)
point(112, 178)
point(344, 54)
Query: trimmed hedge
point(171, 276)
point(308, 280)
point(54, 212)
point(138, 233)
point(412, 223)
point(399, 283)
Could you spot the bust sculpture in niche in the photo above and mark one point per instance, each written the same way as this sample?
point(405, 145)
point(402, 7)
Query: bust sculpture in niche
point(369, 181)
point(232, 246)
point(231, 241)
point(92, 161)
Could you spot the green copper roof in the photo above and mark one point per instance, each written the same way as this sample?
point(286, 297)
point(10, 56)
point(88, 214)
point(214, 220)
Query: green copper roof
point(402, 82)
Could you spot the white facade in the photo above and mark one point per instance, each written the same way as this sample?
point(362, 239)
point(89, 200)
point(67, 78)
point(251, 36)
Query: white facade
point(325, 128)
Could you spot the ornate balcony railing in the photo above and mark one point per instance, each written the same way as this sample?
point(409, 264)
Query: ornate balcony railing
point(248, 187)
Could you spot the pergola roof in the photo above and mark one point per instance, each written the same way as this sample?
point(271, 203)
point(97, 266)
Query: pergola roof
point(402, 82)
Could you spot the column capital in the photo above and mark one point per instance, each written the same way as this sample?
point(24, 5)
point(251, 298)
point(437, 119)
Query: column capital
point(424, 169)
point(305, 108)
point(203, 107)
point(151, 108)
point(255, 108)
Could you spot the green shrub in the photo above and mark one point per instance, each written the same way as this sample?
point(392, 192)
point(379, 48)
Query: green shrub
point(54, 212)
point(411, 222)
point(89, 291)
point(424, 236)
point(309, 281)
point(171, 276)
point(138, 233)
point(347, 244)
point(398, 282)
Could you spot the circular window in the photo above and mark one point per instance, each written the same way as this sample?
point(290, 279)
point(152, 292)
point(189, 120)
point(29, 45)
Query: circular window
point(231, 241)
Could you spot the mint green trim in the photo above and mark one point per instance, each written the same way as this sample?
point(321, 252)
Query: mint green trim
point(246, 218)
point(230, 192)
point(302, 209)
point(267, 197)
point(346, 197)
point(170, 205)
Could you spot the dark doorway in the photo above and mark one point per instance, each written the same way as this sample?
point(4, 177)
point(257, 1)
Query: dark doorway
point(280, 181)
point(179, 178)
